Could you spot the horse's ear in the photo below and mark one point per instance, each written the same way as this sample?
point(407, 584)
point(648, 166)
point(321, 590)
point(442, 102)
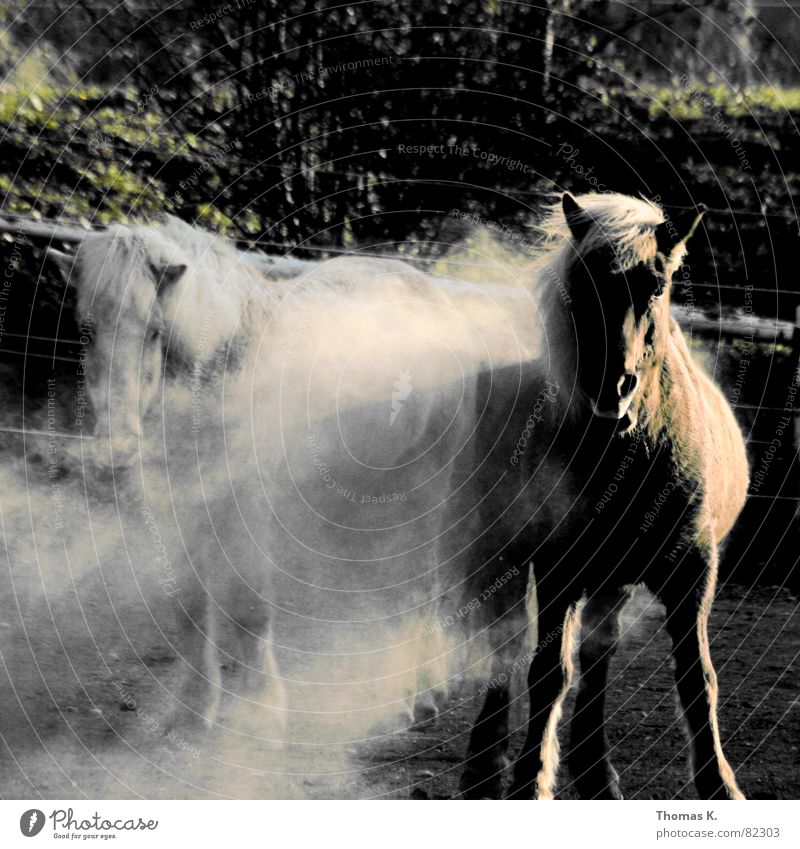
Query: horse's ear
point(673, 234)
point(166, 276)
point(578, 220)
point(63, 262)
point(690, 221)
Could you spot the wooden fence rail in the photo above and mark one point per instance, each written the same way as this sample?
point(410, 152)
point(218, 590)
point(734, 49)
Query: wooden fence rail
point(750, 327)
point(735, 326)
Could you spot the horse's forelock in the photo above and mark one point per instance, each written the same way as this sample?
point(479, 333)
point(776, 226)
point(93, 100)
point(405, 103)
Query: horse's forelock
point(112, 266)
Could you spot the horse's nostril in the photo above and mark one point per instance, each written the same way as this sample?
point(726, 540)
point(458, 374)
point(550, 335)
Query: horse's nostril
point(627, 383)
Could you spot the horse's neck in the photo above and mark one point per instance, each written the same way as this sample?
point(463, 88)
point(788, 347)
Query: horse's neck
point(237, 344)
point(559, 352)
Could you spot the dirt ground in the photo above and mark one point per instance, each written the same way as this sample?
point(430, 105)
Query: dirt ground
point(90, 742)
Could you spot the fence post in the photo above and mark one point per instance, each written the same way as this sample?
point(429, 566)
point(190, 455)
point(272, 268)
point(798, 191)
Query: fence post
point(796, 380)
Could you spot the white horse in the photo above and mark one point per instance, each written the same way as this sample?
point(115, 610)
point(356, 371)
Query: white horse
point(155, 301)
point(322, 419)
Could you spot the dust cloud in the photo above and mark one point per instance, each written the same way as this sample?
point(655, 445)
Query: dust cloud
point(304, 506)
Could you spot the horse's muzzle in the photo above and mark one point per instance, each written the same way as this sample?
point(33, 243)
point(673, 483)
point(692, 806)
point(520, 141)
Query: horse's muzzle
point(615, 403)
point(610, 412)
point(621, 415)
point(606, 414)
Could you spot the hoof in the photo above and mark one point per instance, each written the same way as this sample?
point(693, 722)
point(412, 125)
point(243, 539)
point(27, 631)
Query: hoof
point(604, 789)
point(425, 714)
point(262, 726)
point(484, 780)
point(524, 790)
point(598, 781)
point(392, 724)
point(186, 722)
point(473, 787)
point(428, 706)
point(610, 792)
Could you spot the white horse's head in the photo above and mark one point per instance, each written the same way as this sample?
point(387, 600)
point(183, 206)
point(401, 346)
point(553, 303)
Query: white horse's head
point(151, 301)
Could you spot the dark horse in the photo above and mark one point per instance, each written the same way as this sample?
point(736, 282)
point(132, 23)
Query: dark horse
point(614, 461)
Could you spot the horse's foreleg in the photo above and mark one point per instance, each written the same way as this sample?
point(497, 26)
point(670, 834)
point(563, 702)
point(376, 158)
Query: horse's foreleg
point(505, 617)
point(548, 681)
point(431, 672)
point(595, 777)
point(263, 687)
point(688, 604)
point(201, 682)
point(488, 742)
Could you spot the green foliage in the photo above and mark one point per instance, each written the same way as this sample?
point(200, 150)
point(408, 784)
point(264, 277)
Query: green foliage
point(679, 102)
point(83, 159)
point(291, 121)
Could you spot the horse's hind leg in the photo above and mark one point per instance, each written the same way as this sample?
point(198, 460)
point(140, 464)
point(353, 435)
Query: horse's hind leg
point(548, 681)
point(591, 769)
point(687, 597)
